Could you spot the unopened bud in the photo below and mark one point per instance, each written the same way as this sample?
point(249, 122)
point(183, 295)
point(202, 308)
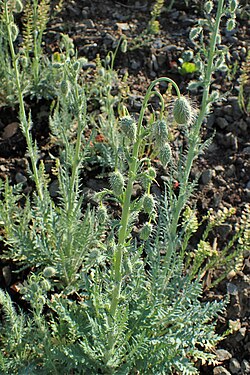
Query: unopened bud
point(117, 182)
point(231, 24)
point(195, 32)
point(145, 231)
point(14, 31)
point(233, 6)
point(152, 173)
point(102, 214)
point(124, 46)
point(18, 6)
point(148, 203)
point(165, 154)
point(208, 6)
point(65, 87)
point(183, 112)
point(128, 127)
point(49, 272)
point(160, 132)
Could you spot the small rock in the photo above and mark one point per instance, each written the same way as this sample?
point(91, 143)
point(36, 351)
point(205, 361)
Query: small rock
point(210, 121)
point(248, 185)
point(135, 65)
point(222, 122)
point(236, 108)
point(224, 229)
point(234, 366)
point(20, 178)
point(89, 23)
point(241, 334)
point(231, 170)
point(10, 130)
point(232, 289)
point(207, 176)
point(54, 188)
point(123, 26)
point(246, 150)
point(219, 370)
point(219, 168)
point(223, 355)
point(245, 367)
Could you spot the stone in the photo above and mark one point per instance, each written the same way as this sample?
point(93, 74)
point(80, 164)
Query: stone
point(245, 367)
point(222, 122)
point(234, 366)
point(241, 334)
point(232, 289)
point(10, 130)
point(20, 178)
point(222, 355)
point(207, 176)
point(219, 370)
point(89, 23)
point(230, 172)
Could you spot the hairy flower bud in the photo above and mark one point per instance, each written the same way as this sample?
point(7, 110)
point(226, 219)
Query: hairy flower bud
point(102, 214)
point(160, 132)
point(231, 24)
point(18, 6)
point(152, 173)
point(128, 127)
point(233, 6)
point(195, 32)
point(65, 87)
point(208, 6)
point(49, 272)
point(14, 31)
point(124, 46)
point(148, 203)
point(183, 112)
point(145, 231)
point(165, 154)
point(117, 182)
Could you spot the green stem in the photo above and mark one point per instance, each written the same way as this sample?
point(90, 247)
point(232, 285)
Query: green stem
point(196, 131)
point(22, 113)
point(118, 256)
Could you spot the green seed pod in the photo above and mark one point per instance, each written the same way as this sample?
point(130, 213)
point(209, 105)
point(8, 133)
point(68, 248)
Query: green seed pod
point(145, 231)
point(195, 32)
point(102, 214)
point(160, 132)
point(124, 46)
point(18, 6)
point(117, 182)
point(165, 154)
point(208, 6)
point(49, 272)
point(14, 31)
point(183, 112)
point(128, 127)
point(233, 6)
point(148, 203)
point(65, 87)
point(231, 24)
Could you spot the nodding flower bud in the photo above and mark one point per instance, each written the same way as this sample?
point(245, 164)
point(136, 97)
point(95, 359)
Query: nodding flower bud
point(165, 154)
point(18, 6)
point(152, 173)
point(117, 182)
point(49, 272)
point(233, 5)
point(128, 127)
point(124, 46)
point(208, 6)
point(14, 31)
point(65, 87)
point(145, 231)
point(160, 132)
point(195, 32)
point(183, 112)
point(102, 214)
point(148, 204)
point(231, 24)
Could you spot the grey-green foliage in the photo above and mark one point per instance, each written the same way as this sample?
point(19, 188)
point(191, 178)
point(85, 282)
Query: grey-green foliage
point(161, 324)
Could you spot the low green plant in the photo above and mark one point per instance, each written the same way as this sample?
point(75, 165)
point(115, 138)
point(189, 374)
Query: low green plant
point(102, 300)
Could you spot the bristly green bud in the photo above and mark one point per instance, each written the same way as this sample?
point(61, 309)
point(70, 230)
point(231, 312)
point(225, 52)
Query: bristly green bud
point(160, 132)
point(208, 6)
point(14, 31)
point(231, 24)
point(183, 112)
point(195, 32)
point(18, 6)
point(146, 231)
point(152, 173)
point(148, 204)
point(76, 66)
point(65, 87)
point(233, 6)
point(49, 272)
point(165, 154)
point(102, 214)
point(128, 127)
point(124, 46)
point(117, 182)
point(45, 285)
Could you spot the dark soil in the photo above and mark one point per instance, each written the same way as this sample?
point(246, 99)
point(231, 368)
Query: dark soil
point(224, 169)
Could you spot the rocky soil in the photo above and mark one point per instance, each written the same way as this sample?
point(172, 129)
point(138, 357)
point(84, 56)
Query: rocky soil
point(224, 169)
